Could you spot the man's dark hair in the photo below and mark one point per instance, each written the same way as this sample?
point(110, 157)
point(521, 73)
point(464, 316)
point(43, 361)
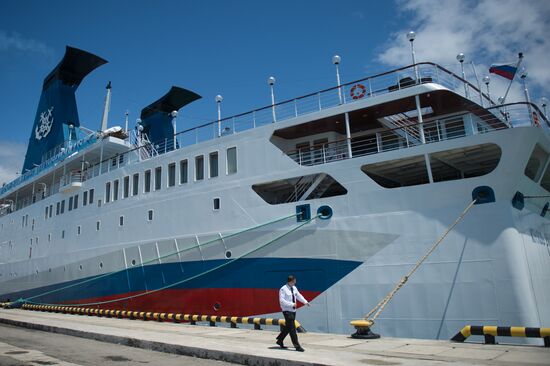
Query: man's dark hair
point(290, 278)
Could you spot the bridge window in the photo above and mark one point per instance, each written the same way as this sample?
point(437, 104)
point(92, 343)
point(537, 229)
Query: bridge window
point(126, 187)
point(135, 184)
point(232, 160)
point(62, 206)
point(115, 190)
point(158, 178)
point(75, 202)
point(91, 196)
point(183, 172)
point(147, 183)
point(70, 203)
point(199, 167)
point(107, 192)
point(171, 174)
point(213, 164)
point(85, 198)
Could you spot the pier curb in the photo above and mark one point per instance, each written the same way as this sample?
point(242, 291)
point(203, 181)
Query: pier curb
point(233, 357)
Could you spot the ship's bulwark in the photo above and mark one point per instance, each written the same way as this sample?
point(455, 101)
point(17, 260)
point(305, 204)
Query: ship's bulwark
point(240, 288)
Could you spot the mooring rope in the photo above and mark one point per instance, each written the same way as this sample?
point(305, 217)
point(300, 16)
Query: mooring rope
point(210, 242)
point(186, 279)
point(382, 304)
point(540, 196)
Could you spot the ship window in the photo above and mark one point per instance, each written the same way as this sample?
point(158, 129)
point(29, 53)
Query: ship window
point(49, 237)
point(62, 206)
point(51, 209)
point(46, 213)
point(115, 190)
point(199, 167)
point(70, 203)
point(158, 178)
point(121, 221)
point(216, 204)
point(107, 192)
point(404, 172)
point(78, 230)
point(135, 184)
point(120, 159)
point(213, 164)
point(183, 171)
point(150, 215)
point(85, 198)
point(91, 196)
point(466, 162)
point(98, 203)
point(147, 183)
point(232, 160)
point(98, 225)
point(171, 174)
point(75, 202)
point(62, 234)
point(536, 163)
point(300, 188)
point(126, 187)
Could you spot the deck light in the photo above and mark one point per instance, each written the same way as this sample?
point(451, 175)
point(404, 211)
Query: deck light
point(174, 115)
point(336, 61)
point(544, 103)
point(271, 82)
point(410, 36)
point(218, 100)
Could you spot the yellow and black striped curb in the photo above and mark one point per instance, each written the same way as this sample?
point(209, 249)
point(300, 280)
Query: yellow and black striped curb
point(490, 332)
point(168, 317)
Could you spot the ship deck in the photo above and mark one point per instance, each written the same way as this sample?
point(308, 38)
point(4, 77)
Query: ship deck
point(255, 347)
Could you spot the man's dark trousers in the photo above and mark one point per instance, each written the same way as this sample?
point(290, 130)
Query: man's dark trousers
point(289, 328)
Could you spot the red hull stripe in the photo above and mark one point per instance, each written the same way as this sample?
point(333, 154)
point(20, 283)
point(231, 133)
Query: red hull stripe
point(215, 301)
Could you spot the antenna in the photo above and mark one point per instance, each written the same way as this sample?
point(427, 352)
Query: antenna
point(126, 121)
point(106, 108)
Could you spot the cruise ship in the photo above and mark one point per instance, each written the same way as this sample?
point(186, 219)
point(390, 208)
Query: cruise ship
point(345, 188)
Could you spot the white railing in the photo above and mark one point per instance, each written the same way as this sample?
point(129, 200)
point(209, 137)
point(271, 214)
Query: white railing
point(496, 118)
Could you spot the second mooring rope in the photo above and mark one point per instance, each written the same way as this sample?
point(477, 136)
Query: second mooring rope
point(382, 304)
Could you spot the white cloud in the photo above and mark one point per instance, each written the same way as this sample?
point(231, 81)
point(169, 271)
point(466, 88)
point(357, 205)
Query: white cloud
point(15, 41)
point(487, 31)
point(12, 155)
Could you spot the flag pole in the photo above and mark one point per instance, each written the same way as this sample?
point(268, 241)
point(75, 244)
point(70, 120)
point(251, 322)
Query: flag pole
point(520, 55)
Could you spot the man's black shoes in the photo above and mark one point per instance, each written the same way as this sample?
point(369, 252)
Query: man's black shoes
point(300, 349)
point(280, 343)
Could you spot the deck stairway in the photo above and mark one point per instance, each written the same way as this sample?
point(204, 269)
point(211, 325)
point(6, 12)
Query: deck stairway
point(403, 126)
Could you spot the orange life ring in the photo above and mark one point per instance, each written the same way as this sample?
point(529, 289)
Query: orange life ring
point(358, 91)
point(536, 119)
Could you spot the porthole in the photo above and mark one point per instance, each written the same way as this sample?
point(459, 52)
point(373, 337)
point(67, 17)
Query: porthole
point(49, 269)
point(324, 212)
point(217, 306)
point(133, 262)
point(80, 267)
point(228, 254)
point(100, 264)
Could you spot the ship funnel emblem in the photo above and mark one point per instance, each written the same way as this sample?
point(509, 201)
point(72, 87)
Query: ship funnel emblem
point(45, 125)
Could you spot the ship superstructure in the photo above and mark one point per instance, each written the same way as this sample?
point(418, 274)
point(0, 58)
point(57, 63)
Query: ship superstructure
point(345, 188)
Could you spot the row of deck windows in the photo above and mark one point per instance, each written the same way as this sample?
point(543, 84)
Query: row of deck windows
point(152, 179)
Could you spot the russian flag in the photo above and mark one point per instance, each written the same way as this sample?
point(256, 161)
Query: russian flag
point(507, 71)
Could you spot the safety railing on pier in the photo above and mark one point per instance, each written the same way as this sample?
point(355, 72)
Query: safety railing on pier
point(405, 136)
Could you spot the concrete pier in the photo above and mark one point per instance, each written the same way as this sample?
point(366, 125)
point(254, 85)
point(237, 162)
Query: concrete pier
point(257, 347)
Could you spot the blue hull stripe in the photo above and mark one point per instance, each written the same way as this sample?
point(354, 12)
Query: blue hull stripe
point(263, 273)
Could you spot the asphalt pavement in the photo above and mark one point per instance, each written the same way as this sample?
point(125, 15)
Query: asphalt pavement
point(24, 347)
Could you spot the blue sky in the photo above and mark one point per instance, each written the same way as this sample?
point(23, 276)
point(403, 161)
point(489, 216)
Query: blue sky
point(232, 47)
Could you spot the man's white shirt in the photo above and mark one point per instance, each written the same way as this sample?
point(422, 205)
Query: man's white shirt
point(285, 298)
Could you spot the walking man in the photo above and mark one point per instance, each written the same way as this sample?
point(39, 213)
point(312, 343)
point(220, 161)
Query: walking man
point(288, 294)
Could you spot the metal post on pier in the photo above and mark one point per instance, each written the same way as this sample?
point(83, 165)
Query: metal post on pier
point(348, 136)
point(271, 82)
